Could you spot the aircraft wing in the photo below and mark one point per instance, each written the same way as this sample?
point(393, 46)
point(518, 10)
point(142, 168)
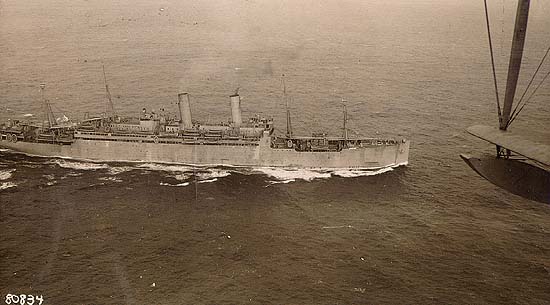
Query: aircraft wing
point(519, 144)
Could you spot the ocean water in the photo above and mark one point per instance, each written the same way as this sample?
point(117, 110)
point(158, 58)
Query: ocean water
point(431, 232)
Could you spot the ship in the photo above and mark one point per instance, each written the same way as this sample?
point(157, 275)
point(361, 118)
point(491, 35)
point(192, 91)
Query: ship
point(158, 137)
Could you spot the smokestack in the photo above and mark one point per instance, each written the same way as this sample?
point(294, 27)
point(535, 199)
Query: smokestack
point(236, 110)
point(184, 106)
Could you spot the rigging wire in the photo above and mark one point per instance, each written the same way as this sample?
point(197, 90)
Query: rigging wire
point(502, 28)
point(527, 88)
point(63, 112)
point(529, 98)
point(492, 60)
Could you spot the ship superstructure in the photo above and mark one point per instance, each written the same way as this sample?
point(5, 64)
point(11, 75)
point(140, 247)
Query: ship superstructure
point(157, 137)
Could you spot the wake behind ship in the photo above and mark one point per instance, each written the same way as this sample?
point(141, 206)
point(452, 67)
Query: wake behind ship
point(157, 137)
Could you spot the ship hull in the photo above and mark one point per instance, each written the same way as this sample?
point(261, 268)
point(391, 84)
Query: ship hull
point(256, 155)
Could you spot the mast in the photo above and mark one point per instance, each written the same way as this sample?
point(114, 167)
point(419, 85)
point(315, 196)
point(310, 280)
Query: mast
point(345, 122)
point(288, 122)
point(45, 118)
point(48, 113)
point(110, 109)
point(518, 42)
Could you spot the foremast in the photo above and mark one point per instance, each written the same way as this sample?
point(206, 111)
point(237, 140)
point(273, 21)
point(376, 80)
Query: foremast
point(288, 122)
point(345, 110)
point(110, 108)
point(49, 119)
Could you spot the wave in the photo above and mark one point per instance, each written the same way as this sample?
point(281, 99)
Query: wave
point(208, 180)
point(73, 174)
point(185, 172)
point(280, 182)
point(112, 179)
point(213, 173)
point(6, 174)
point(182, 173)
point(283, 175)
point(290, 175)
point(51, 179)
point(179, 184)
point(360, 173)
point(165, 167)
point(7, 185)
point(80, 165)
point(181, 177)
point(189, 182)
point(120, 169)
point(29, 165)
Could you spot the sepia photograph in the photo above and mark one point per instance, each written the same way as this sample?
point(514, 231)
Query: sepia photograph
point(274, 152)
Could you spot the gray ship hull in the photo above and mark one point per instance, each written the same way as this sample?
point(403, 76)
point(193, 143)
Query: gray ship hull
point(258, 154)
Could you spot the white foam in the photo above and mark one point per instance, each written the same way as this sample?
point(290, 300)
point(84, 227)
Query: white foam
point(280, 182)
point(119, 169)
point(7, 185)
point(286, 175)
point(28, 165)
point(208, 180)
point(180, 177)
point(71, 175)
point(113, 179)
point(6, 174)
point(80, 165)
point(213, 173)
point(360, 173)
point(165, 167)
point(184, 172)
point(74, 174)
point(290, 175)
point(179, 184)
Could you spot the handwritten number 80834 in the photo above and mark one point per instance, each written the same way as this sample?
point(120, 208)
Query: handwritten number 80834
point(23, 299)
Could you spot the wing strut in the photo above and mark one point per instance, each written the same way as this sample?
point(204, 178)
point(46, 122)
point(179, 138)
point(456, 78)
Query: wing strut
point(518, 42)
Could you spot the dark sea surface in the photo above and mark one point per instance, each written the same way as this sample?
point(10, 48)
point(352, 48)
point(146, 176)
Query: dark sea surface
point(432, 232)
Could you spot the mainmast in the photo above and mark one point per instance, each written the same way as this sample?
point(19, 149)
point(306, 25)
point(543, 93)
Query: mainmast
point(288, 122)
point(518, 42)
point(110, 109)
